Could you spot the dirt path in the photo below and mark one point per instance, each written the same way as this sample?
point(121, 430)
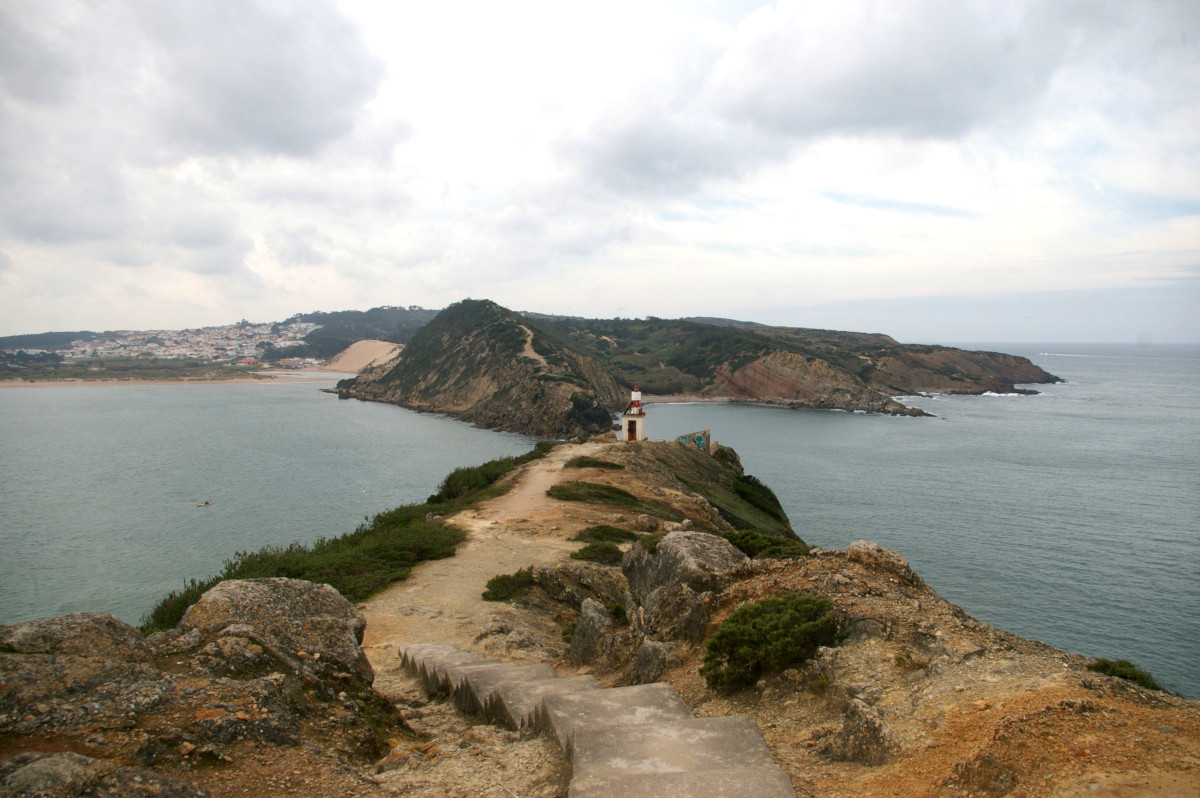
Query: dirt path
point(440, 601)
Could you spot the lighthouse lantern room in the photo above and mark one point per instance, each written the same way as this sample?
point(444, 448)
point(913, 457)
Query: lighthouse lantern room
point(633, 420)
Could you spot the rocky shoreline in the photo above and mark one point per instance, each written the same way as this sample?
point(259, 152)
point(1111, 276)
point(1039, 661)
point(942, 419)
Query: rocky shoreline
point(281, 687)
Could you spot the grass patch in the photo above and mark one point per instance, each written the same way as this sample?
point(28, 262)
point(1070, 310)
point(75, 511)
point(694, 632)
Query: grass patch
point(603, 552)
point(508, 586)
point(650, 542)
point(463, 483)
point(593, 493)
point(1124, 669)
point(765, 547)
point(593, 462)
point(379, 552)
point(767, 636)
point(605, 533)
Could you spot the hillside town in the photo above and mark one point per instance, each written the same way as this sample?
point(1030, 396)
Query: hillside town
point(239, 342)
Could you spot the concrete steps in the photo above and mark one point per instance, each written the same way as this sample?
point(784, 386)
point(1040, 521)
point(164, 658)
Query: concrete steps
point(639, 740)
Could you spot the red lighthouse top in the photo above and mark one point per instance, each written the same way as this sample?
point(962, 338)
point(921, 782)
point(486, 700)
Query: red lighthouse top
point(635, 403)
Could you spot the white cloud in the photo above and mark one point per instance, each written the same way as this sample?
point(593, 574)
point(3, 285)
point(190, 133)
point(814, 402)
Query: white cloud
point(266, 158)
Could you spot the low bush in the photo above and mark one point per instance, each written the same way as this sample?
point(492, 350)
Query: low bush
point(507, 586)
point(650, 542)
point(603, 532)
point(593, 462)
point(382, 550)
point(594, 493)
point(603, 552)
point(462, 482)
point(767, 636)
point(764, 547)
point(1124, 669)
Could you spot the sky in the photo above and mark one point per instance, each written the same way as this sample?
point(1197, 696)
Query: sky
point(938, 171)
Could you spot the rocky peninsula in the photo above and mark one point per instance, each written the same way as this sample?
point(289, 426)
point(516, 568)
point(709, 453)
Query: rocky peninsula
point(281, 687)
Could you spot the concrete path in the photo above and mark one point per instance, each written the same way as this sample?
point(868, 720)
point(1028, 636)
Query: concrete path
point(621, 741)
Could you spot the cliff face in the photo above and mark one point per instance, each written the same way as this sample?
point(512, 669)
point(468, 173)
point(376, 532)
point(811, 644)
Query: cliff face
point(800, 381)
point(482, 363)
point(946, 370)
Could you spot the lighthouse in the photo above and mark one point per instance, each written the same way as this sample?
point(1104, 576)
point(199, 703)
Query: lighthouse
point(633, 420)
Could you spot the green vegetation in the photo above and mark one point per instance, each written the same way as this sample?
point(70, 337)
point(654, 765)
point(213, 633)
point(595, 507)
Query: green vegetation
point(617, 613)
point(604, 553)
point(765, 637)
point(356, 565)
point(592, 462)
point(593, 493)
point(507, 586)
point(604, 532)
point(650, 542)
point(1124, 669)
point(765, 547)
point(463, 482)
point(378, 553)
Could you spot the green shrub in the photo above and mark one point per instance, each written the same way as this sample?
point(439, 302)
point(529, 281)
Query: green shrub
point(767, 636)
point(568, 632)
point(819, 684)
point(604, 532)
point(650, 542)
point(507, 586)
point(908, 661)
point(1124, 669)
point(603, 552)
point(380, 551)
point(592, 462)
point(616, 611)
point(594, 493)
point(764, 547)
point(462, 482)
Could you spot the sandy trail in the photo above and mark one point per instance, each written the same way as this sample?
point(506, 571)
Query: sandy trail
point(440, 601)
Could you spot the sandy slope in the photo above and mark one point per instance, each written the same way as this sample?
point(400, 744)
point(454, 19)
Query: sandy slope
point(362, 354)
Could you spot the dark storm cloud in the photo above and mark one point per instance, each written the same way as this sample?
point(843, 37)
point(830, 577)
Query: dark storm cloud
point(258, 76)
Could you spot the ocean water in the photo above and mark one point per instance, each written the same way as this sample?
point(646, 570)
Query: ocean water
point(1071, 517)
point(100, 483)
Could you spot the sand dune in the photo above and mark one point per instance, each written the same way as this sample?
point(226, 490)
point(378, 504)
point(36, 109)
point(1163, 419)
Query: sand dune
point(362, 354)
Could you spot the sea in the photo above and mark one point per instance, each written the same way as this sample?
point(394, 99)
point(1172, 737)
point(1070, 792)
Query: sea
point(1071, 516)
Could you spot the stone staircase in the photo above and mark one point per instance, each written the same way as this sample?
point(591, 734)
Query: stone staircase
point(620, 741)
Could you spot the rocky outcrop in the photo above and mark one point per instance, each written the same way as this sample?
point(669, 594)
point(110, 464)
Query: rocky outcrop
point(695, 559)
point(796, 380)
point(63, 775)
point(940, 369)
point(254, 663)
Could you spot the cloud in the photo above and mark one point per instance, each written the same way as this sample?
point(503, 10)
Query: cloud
point(926, 70)
point(900, 206)
point(242, 76)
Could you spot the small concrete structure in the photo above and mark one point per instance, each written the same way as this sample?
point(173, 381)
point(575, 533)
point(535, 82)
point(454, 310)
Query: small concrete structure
point(633, 420)
point(621, 741)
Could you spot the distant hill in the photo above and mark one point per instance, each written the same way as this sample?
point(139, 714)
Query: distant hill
point(46, 340)
point(342, 328)
point(486, 364)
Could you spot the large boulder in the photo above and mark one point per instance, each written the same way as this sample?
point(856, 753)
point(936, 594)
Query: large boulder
point(76, 671)
point(309, 629)
point(696, 559)
point(589, 641)
point(67, 775)
point(877, 557)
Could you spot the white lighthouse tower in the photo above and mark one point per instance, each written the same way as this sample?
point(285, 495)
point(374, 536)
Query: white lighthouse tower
point(633, 420)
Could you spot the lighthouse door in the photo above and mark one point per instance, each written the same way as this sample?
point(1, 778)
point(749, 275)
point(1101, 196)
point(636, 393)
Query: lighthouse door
point(632, 434)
